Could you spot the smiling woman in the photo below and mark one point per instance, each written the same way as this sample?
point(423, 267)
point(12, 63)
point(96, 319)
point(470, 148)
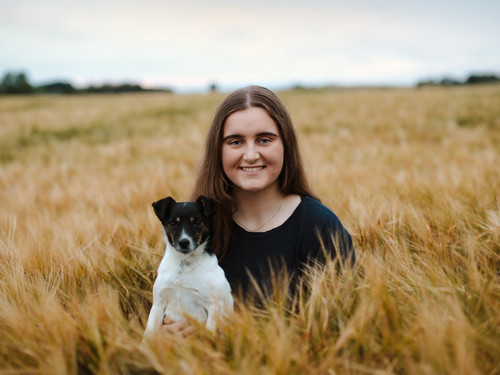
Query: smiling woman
point(268, 218)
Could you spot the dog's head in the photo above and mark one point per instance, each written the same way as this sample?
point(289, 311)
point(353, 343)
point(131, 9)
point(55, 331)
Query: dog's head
point(187, 224)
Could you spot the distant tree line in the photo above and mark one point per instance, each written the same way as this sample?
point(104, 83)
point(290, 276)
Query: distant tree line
point(17, 83)
point(471, 80)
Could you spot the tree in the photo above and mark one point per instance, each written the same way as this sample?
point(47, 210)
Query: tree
point(213, 87)
point(15, 83)
point(56, 88)
point(475, 79)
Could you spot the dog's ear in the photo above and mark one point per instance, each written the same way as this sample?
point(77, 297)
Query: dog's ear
point(162, 207)
point(207, 204)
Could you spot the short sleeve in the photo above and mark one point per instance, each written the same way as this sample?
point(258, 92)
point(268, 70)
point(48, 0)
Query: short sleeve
point(324, 236)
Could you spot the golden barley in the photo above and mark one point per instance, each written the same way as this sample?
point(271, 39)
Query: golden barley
point(412, 173)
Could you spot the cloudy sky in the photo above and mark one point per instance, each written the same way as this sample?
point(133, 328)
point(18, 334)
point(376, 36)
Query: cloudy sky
point(188, 44)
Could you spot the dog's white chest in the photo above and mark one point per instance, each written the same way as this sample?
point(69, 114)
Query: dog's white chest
point(180, 296)
point(189, 285)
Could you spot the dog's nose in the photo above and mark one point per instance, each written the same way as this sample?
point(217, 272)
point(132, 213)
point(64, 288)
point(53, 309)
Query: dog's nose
point(184, 243)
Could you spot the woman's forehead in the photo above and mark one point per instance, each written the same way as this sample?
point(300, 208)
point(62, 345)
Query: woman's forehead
point(253, 120)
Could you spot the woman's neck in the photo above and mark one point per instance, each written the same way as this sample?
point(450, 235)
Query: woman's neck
point(257, 209)
point(257, 203)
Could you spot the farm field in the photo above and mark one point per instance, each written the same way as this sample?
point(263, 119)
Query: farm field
point(414, 175)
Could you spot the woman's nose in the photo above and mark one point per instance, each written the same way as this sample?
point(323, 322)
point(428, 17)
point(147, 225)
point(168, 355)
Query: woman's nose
point(251, 154)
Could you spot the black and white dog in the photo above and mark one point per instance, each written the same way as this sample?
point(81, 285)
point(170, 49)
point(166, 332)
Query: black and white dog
point(190, 281)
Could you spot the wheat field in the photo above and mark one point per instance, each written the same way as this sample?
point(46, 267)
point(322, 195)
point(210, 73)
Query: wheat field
point(414, 175)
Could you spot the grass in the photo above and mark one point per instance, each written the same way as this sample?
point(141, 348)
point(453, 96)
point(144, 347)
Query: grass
point(412, 173)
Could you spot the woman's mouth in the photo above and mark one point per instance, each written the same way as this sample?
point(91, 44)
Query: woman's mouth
point(251, 169)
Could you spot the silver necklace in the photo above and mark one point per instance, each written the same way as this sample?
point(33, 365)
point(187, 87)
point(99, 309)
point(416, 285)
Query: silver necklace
point(263, 225)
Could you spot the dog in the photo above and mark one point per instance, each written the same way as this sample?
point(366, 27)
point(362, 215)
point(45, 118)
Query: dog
point(190, 281)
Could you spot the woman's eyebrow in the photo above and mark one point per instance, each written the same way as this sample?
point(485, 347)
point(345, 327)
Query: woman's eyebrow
point(263, 134)
point(231, 136)
point(267, 134)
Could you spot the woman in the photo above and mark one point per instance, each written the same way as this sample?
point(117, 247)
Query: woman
point(268, 218)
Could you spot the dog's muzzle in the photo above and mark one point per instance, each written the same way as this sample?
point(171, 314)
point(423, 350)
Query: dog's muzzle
point(185, 245)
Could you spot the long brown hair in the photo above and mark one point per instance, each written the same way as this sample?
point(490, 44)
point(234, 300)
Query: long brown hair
point(212, 181)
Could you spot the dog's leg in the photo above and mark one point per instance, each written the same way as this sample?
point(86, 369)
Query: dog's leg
point(155, 321)
point(218, 310)
point(213, 316)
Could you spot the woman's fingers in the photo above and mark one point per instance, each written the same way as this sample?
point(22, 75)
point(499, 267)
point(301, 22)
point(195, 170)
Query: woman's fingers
point(167, 320)
point(181, 328)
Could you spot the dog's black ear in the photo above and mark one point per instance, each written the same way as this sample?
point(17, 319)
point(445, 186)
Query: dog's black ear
point(162, 207)
point(208, 205)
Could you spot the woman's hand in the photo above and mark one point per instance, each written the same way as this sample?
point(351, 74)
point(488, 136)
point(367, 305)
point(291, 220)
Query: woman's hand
point(181, 328)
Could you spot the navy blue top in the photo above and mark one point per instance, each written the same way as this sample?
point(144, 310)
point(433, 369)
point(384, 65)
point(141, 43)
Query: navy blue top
point(291, 245)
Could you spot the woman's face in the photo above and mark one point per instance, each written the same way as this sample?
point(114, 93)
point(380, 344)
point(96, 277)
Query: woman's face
point(252, 150)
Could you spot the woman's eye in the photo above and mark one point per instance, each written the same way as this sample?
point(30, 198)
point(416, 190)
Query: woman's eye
point(265, 140)
point(235, 142)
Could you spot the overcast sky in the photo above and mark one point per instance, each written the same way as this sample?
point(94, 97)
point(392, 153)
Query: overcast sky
point(188, 44)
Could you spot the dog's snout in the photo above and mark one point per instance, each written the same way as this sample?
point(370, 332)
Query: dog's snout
point(184, 243)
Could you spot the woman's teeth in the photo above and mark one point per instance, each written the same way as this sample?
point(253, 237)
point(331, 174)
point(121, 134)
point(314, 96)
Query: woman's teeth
point(253, 169)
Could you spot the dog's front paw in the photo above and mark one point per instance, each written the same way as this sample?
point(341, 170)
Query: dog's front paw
point(144, 344)
point(211, 324)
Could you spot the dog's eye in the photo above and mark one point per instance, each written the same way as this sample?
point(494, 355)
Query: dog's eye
point(197, 223)
point(173, 224)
